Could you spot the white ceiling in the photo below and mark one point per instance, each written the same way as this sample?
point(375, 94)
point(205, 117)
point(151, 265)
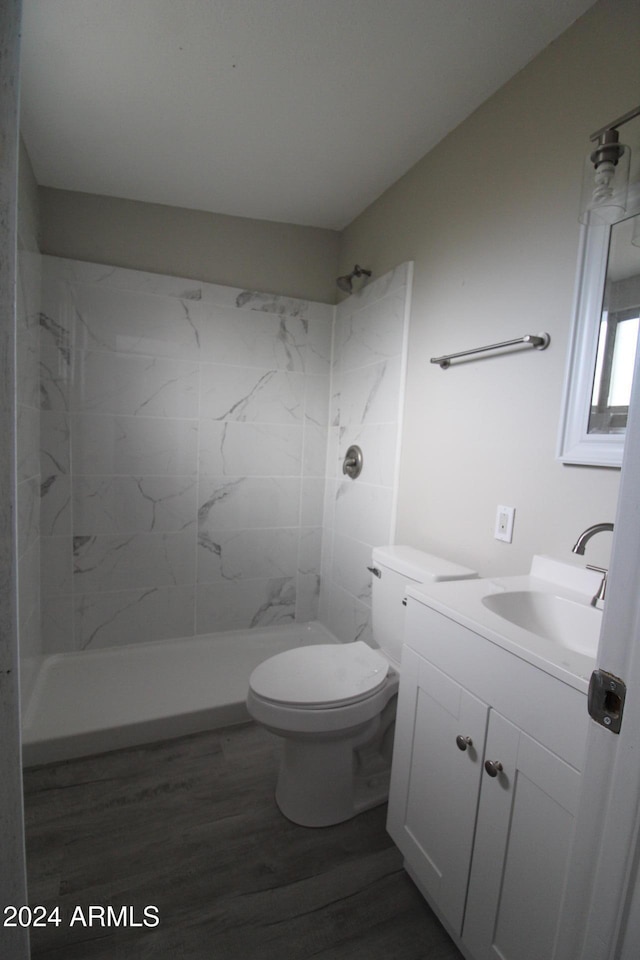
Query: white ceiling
point(301, 111)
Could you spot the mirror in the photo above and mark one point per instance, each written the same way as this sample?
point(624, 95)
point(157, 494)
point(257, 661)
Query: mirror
point(603, 345)
point(618, 332)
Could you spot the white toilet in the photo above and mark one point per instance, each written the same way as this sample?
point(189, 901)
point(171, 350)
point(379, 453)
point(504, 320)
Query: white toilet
point(334, 705)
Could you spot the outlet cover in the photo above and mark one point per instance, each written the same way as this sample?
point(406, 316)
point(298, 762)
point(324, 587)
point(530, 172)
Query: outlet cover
point(504, 523)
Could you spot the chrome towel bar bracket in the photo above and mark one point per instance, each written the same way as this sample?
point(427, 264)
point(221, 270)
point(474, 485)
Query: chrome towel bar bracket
point(539, 341)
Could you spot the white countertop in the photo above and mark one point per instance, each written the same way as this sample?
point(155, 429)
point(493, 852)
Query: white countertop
point(461, 601)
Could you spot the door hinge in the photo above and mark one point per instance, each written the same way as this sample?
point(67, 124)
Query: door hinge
point(605, 701)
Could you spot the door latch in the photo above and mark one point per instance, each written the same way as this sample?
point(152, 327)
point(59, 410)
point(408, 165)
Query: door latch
point(605, 701)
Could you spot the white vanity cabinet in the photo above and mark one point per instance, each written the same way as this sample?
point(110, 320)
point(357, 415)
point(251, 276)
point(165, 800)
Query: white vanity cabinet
point(489, 853)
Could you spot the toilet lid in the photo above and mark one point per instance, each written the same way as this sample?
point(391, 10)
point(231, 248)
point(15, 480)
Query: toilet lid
point(325, 675)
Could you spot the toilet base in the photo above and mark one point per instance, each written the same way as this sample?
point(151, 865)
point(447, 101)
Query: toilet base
point(324, 782)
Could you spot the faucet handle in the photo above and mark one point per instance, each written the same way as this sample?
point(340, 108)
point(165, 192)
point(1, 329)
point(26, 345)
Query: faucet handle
point(598, 599)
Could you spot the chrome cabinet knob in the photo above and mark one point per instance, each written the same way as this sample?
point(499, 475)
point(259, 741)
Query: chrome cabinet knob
point(493, 767)
point(463, 742)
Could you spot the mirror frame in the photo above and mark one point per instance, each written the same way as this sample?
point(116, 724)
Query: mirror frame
point(575, 443)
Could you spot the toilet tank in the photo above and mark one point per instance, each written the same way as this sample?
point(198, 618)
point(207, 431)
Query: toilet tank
point(395, 568)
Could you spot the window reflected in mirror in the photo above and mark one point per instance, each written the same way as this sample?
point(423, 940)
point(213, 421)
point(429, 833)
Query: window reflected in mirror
point(618, 334)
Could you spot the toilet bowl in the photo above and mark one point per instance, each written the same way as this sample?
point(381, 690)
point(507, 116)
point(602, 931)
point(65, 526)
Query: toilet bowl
point(334, 705)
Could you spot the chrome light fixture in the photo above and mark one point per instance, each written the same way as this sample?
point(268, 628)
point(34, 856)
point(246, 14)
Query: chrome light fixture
point(605, 184)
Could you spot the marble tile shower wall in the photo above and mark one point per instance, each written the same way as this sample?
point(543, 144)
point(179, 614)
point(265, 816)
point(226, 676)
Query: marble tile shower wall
point(368, 372)
point(184, 435)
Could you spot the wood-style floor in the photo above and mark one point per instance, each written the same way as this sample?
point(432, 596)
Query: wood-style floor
point(190, 826)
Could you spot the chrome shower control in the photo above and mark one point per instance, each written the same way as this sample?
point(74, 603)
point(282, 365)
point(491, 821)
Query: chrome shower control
point(352, 464)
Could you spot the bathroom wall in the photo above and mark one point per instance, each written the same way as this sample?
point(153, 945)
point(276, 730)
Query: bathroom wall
point(184, 430)
point(13, 942)
point(368, 371)
point(28, 421)
point(490, 218)
point(280, 258)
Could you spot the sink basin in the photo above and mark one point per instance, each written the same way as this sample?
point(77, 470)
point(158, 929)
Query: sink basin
point(573, 625)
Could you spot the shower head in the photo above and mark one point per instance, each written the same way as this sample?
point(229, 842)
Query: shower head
point(346, 283)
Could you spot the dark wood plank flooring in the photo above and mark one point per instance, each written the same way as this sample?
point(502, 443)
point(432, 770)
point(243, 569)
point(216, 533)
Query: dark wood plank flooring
point(191, 827)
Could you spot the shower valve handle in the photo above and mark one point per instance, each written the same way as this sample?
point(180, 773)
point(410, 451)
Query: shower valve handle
point(352, 463)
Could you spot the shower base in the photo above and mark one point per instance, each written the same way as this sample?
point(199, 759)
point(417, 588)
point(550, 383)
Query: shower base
point(98, 700)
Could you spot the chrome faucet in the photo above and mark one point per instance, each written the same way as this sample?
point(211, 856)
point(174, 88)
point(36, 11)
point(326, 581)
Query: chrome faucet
point(579, 547)
point(586, 535)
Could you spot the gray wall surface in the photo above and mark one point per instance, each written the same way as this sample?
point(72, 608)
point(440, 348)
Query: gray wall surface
point(13, 941)
point(279, 258)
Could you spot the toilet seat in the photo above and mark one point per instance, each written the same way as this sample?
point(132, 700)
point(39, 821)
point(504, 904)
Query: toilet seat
point(322, 677)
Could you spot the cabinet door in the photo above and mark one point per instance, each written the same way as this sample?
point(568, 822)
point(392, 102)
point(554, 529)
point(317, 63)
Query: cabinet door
point(434, 784)
point(525, 823)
